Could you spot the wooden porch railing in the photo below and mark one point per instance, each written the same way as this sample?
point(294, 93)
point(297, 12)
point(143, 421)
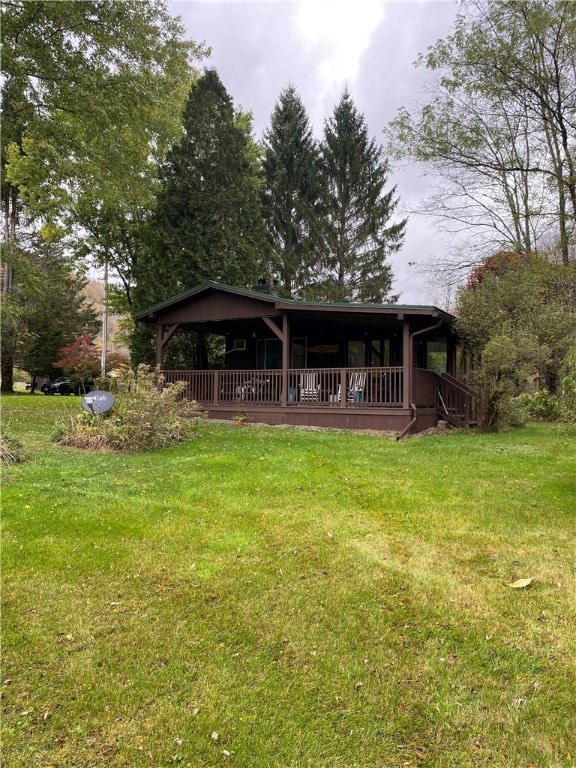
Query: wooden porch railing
point(330, 387)
point(457, 403)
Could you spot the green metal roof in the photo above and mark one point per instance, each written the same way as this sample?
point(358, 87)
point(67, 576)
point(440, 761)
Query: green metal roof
point(283, 302)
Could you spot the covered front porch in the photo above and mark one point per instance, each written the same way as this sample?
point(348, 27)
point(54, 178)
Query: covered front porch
point(374, 396)
point(385, 367)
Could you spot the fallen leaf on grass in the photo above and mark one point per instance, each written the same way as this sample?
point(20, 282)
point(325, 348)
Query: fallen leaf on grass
point(520, 584)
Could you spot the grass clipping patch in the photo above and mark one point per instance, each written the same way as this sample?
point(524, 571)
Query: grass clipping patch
point(11, 451)
point(147, 415)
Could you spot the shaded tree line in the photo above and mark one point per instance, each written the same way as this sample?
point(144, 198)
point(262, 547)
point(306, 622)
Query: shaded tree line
point(92, 95)
point(497, 130)
point(516, 317)
point(315, 215)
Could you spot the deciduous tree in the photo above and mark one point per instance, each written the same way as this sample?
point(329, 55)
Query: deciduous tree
point(499, 128)
point(105, 82)
point(103, 85)
point(80, 359)
point(93, 96)
point(517, 317)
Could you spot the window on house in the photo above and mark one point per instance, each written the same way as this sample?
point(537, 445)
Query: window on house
point(299, 346)
point(379, 352)
point(269, 354)
point(356, 357)
point(436, 355)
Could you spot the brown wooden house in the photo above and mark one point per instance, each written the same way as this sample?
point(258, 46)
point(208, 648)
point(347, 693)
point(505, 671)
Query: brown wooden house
point(356, 366)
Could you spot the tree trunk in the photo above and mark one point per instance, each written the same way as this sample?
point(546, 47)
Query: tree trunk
point(7, 385)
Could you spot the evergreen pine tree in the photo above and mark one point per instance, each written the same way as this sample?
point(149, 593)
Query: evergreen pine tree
point(208, 223)
point(358, 235)
point(290, 193)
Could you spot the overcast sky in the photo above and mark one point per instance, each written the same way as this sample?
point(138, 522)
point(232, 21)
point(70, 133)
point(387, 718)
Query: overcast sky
point(320, 46)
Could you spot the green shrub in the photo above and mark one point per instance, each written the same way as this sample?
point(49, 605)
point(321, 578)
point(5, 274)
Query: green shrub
point(502, 371)
point(568, 387)
point(541, 405)
point(147, 415)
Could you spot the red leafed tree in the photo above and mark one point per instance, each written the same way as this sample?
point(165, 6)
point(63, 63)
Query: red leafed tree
point(496, 265)
point(80, 359)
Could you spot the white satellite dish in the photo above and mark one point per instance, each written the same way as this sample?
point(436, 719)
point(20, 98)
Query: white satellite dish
point(98, 401)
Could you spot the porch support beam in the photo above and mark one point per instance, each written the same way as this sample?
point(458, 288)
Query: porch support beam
point(280, 333)
point(162, 338)
point(284, 335)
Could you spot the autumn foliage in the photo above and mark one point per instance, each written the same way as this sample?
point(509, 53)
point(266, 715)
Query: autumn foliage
point(82, 358)
point(496, 265)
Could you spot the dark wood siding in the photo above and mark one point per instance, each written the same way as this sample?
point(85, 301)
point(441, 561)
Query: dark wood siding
point(215, 306)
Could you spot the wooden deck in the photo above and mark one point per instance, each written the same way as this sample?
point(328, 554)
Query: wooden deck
point(348, 398)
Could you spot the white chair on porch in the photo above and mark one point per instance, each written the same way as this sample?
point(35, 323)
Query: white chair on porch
point(356, 386)
point(309, 388)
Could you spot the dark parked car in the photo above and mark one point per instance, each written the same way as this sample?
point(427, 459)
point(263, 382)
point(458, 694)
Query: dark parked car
point(64, 386)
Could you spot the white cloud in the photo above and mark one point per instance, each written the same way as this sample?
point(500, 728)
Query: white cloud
point(339, 32)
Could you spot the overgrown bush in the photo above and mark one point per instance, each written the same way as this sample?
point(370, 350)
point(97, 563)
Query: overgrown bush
point(568, 387)
point(11, 450)
point(147, 415)
point(499, 377)
point(540, 405)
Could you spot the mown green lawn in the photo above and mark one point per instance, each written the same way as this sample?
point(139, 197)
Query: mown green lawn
point(266, 597)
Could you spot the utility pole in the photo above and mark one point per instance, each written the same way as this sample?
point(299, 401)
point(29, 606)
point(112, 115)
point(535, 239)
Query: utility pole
point(104, 323)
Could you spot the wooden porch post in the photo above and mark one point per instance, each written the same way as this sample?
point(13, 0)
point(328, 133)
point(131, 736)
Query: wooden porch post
point(159, 348)
point(162, 339)
point(284, 336)
point(285, 360)
point(451, 358)
point(406, 364)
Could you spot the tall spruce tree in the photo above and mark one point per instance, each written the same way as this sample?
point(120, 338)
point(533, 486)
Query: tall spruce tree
point(358, 234)
point(291, 192)
point(208, 223)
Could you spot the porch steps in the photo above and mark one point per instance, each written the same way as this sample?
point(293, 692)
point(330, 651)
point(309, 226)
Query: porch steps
point(455, 419)
point(457, 404)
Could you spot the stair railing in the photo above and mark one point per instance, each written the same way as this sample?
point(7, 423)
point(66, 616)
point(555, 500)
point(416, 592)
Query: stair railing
point(456, 402)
